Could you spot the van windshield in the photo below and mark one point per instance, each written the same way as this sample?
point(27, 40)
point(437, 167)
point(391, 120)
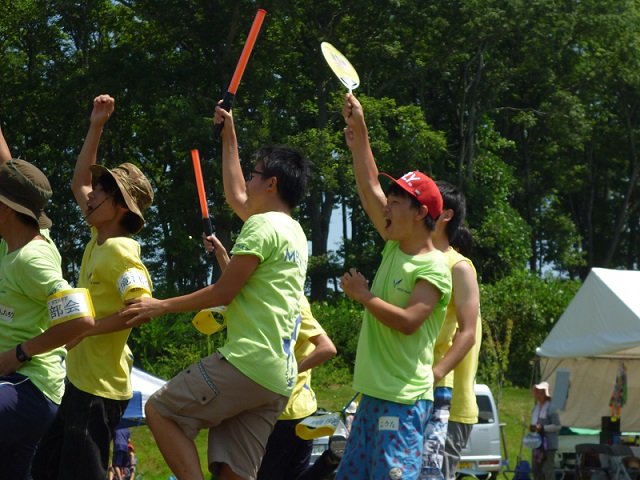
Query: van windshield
point(485, 414)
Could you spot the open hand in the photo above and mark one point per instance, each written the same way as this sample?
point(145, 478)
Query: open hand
point(142, 310)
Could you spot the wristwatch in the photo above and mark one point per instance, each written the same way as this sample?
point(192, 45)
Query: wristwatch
point(20, 355)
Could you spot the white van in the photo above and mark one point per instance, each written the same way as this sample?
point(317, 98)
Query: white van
point(483, 449)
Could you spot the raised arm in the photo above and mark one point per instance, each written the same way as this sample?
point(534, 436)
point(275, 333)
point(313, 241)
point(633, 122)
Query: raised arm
point(467, 301)
point(5, 153)
point(364, 165)
point(103, 106)
point(235, 190)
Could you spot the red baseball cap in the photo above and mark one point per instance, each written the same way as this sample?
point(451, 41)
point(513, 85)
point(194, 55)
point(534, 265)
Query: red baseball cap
point(423, 188)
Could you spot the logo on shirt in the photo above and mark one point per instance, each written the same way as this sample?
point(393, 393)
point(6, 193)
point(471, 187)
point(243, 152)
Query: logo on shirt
point(90, 281)
point(288, 345)
point(396, 286)
point(295, 257)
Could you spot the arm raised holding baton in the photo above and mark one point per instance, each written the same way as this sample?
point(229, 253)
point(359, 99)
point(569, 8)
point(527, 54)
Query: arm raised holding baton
point(229, 97)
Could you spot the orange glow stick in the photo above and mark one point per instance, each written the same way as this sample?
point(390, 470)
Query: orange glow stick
point(206, 220)
point(229, 97)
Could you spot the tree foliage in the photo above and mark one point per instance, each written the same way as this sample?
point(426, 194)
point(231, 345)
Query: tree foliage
point(532, 107)
point(518, 312)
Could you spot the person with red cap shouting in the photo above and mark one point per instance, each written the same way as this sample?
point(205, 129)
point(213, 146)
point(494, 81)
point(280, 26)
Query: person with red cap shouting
point(404, 311)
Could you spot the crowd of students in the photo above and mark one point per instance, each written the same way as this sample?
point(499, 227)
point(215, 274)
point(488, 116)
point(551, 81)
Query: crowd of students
point(417, 350)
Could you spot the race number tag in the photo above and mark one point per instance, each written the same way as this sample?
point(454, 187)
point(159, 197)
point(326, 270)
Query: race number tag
point(6, 314)
point(69, 305)
point(133, 279)
point(388, 423)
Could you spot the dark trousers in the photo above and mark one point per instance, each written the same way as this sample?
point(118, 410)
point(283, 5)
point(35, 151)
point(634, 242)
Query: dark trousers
point(77, 444)
point(25, 415)
point(323, 468)
point(287, 455)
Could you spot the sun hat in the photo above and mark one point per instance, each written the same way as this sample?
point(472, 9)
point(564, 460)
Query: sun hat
point(25, 189)
point(422, 187)
point(543, 386)
point(134, 186)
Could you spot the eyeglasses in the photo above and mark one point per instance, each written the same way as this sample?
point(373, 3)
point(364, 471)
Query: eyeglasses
point(252, 173)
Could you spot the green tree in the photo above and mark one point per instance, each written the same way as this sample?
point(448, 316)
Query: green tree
point(519, 312)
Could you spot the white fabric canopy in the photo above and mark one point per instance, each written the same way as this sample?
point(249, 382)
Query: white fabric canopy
point(599, 329)
point(603, 318)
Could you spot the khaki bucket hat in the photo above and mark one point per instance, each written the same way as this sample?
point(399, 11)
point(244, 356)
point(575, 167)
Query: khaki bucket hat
point(134, 186)
point(25, 189)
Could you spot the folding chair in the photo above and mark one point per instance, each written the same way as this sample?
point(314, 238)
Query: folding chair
point(567, 466)
point(592, 461)
point(625, 465)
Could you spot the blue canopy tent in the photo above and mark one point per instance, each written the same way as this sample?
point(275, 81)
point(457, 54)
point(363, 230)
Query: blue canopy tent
point(144, 385)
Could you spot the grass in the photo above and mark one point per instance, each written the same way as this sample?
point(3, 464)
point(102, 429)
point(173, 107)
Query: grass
point(515, 404)
point(514, 410)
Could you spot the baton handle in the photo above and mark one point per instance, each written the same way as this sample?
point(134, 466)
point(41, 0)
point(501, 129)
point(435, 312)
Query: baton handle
point(227, 104)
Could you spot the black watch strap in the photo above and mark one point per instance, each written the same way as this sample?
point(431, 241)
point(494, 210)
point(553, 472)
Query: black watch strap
point(20, 355)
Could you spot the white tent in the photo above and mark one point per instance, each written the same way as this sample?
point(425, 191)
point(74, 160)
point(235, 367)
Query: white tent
point(599, 330)
point(144, 385)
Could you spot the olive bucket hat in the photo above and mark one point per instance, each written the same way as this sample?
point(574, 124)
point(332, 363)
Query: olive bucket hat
point(134, 186)
point(25, 189)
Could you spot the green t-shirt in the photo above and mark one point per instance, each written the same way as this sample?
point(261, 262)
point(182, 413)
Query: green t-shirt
point(113, 273)
point(28, 276)
point(389, 364)
point(262, 319)
point(302, 402)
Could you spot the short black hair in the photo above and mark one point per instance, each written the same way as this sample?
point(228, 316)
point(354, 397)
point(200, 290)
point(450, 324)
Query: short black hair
point(110, 187)
point(290, 168)
point(398, 191)
point(463, 241)
point(130, 221)
point(452, 199)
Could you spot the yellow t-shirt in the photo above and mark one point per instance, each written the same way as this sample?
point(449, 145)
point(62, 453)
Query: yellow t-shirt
point(448, 330)
point(113, 273)
point(464, 408)
point(302, 402)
